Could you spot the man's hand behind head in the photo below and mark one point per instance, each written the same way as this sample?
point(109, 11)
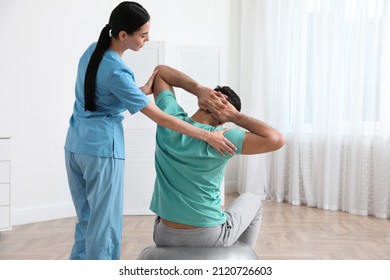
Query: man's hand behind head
point(211, 101)
point(226, 115)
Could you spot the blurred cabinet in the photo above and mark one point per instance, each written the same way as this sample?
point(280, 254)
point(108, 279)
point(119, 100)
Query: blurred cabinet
point(140, 131)
point(5, 183)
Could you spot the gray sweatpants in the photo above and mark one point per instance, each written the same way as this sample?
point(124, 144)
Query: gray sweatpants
point(243, 219)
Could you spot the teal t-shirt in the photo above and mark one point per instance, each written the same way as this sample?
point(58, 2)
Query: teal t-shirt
point(189, 171)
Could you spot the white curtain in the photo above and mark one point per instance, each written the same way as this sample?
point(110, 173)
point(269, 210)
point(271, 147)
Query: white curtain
point(319, 72)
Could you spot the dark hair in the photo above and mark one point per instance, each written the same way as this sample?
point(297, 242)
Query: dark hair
point(128, 17)
point(232, 97)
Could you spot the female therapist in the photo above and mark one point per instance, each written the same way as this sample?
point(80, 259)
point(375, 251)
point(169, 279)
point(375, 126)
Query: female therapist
point(94, 147)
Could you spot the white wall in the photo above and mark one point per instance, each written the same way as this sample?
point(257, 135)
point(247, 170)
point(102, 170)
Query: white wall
point(41, 42)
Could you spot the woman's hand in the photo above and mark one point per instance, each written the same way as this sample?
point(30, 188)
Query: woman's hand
point(148, 87)
point(218, 141)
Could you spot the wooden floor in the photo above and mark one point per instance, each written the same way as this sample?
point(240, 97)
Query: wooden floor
point(287, 233)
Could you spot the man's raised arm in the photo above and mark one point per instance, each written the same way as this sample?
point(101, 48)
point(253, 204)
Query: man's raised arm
point(260, 138)
point(167, 78)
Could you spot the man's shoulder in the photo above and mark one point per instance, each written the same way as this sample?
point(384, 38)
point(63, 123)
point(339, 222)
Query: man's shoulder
point(236, 136)
point(232, 131)
point(167, 103)
point(165, 96)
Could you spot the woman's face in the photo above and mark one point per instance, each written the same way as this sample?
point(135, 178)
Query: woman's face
point(137, 40)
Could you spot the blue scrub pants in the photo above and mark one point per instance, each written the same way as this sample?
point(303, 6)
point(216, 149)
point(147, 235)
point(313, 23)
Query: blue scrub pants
point(96, 186)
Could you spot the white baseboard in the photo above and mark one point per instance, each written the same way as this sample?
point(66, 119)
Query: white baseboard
point(66, 210)
point(232, 187)
point(50, 212)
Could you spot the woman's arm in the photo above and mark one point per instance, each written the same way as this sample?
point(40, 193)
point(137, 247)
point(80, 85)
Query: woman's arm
point(216, 139)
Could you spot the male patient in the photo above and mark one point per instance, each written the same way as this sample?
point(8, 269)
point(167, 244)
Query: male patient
point(189, 172)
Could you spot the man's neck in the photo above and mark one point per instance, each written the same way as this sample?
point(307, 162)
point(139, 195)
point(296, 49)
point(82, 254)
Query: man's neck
point(204, 118)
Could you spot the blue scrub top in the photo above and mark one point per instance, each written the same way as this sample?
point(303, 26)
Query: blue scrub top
point(100, 133)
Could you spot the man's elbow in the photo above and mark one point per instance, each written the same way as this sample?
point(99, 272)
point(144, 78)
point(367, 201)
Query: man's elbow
point(161, 69)
point(277, 141)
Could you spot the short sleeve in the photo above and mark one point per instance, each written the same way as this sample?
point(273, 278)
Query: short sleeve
point(167, 103)
point(122, 85)
point(236, 136)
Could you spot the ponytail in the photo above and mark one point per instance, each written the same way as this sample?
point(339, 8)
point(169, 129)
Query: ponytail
point(93, 65)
